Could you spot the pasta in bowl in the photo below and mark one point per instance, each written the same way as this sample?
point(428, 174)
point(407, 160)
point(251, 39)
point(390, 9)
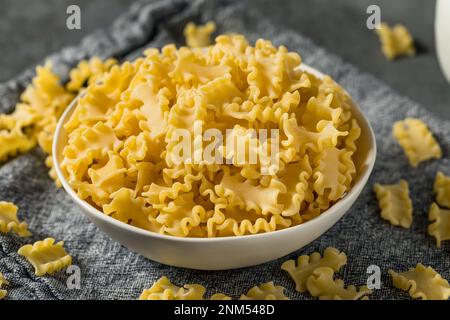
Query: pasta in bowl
point(233, 154)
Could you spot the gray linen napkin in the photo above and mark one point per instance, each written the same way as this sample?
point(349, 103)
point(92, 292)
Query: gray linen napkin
point(110, 271)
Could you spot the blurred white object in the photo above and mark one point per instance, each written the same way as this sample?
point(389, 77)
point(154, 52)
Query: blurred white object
point(442, 31)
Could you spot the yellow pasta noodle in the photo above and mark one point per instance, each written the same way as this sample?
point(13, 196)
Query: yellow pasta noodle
point(3, 282)
point(9, 221)
point(322, 285)
point(123, 151)
point(163, 289)
point(442, 189)
point(14, 142)
point(306, 265)
point(395, 41)
point(395, 203)
point(266, 291)
point(416, 140)
point(422, 282)
point(199, 36)
point(87, 72)
point(46, 256)
point(440, 223)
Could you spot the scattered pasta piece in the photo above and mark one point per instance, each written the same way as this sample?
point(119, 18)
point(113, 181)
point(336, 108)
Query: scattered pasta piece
point(266, 291)
point(9, 221)
point(46, 256)
point(163, 289)
point(416, 140)
point(395, 203)
point(322, 285)
point(13, 142)
point(395, 41)
point(3, 282)
point(422, 282)
point(442, 189)
point(199, 36)
point(122, 148)
point(440, 226)
point(306, 265)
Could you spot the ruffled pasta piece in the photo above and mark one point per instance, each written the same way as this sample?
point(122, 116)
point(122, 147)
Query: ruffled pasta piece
point(191, 69)
point(422, 282)
point(442, 189)
point(332, 258)
point(416, 140)
point(295, 180)
point(242, 193)
point(322, 285)
point(182, 215)
point(154, 109)
point(3, 282)
point(266, 291)
point(268, 76)
point(300, 139)
point(198, 36)
point(88, 72)
point(395, 41)
point(239, 222)
point(13, 143)
point(127, 208)
point(9, 221)
point(46, 257)
point(158, 194)
point(86, 146)
point(105, 180)
point(334, 173)
point(440, 226)
point(353, 135)
point(395, 203)
point(163, 289)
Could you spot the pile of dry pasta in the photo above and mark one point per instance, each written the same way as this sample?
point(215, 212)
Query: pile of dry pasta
point(119, 155)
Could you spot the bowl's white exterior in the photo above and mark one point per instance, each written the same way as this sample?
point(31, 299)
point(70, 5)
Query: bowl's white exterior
point(442, 35)
point(224, 252)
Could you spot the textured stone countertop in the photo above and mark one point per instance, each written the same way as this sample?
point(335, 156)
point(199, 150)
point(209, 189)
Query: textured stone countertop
point(29, 30)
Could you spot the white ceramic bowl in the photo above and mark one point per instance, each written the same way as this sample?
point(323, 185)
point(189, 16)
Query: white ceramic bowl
point(224, 252)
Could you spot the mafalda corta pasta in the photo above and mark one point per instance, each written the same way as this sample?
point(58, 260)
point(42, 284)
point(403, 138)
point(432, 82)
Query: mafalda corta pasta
point(3, 282)
point(9, 221)
point(417, 141)
point(46, 256)
point(442, 189)
point(122, 154)
point(199, 36)
point(163, 289)
point(422, 282)
point(440, 223)
point(396, 41)
point(395, 203)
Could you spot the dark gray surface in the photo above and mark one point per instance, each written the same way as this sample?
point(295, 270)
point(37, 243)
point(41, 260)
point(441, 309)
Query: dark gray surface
point(29, 30)
point(110, 271)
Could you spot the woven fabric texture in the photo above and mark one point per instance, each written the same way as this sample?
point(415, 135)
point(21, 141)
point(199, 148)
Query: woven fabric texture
point(111, 271)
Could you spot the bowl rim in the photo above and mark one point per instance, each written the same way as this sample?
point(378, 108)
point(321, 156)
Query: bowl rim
point(334, 209)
